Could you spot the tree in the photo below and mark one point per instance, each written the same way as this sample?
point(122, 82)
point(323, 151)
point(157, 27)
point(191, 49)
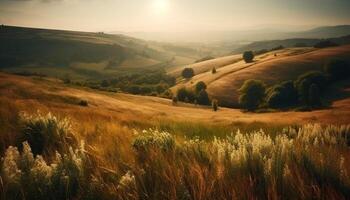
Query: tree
point(248, 56)
point(314, 95)
point(175, 100)
point(304, 82)
point(105, 83)
point(337, 69)
point(252, 94)
point(282, 95)
point(200, 86)
point(213, 71)
point(215, 105)
point(188, 73)
point(203, 98)
point(185, 95)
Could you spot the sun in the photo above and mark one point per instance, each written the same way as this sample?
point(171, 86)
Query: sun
point(160, 6)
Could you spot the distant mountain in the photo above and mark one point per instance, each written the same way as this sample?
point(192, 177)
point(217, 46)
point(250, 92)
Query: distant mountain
point(249, 35)
point(296, 42)
point(323, 32)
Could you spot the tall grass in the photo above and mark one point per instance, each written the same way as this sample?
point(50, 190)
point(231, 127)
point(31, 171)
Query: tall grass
point(115, 162)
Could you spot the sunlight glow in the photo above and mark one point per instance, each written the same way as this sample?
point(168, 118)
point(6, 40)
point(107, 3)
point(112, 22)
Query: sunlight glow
point(160, 6)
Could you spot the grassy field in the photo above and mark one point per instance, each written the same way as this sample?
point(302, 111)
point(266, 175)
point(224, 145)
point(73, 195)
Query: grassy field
point(123, 146)
point(57, 53)
point(288, 64)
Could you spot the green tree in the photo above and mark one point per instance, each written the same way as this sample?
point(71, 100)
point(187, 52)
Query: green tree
point(304, 82)
point(252, 94)
point(105, 83)
point(248, 56)
point(187, 73)
point(203, 98)
point(337, 69)
point(175, 100)
point(314, 95)
point(215, 105)
point(200, 86)
point(282, 95)
point(185, 95)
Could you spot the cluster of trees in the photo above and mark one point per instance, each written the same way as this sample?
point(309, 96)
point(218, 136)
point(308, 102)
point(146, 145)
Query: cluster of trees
point(197, 96)
point(145, 82)
point(305, 91)
point(325, 43)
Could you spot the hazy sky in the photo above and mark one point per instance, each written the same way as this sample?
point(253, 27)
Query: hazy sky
point(172, 15)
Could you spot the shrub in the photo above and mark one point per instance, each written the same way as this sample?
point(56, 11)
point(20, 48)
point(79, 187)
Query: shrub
point(213, 71)
point(83, 103)
point(203, 98)
point(33, 178)
point(314, 95)
point(200, 86)
point(46, 133)
point(337, 69)
point(188, 73)
point(174, 100)
point(248, 56)
point(304, 82)
point(153, 139)
point(185, 95)
point(215, 105)
point(282, 95)
point(252, 94)
point(105, 83)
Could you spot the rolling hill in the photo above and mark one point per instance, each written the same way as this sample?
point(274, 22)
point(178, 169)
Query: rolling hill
point(272, 67)
point(84, 55)
point(301, 42)
point(32, 94)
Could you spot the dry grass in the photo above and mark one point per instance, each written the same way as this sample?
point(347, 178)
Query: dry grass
point(287, 65)
point(114, 158)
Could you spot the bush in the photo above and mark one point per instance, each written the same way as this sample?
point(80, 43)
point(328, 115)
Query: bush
point(46, 133)
point(30, 177)
point(203, 98)
point(185, 95)
point(200, 86)
point(175, 100)
point(304, 82)
point(188, 73)
point(248, 56)
point(252, 94)
point(282, 95)
point(105, 83)
point(314, 95)
point(215, 105)
point(337, 69)
point(213, 71)
point(83, 103)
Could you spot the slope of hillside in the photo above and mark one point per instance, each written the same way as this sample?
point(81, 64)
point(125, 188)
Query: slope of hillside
point(288, 64)
point(302, 41)
point(273, 71)
point(31, 94)
point(41, 50)
point(234, 66)
point(205, 66)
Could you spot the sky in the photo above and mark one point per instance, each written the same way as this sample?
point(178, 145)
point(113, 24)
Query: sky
point(173, 15)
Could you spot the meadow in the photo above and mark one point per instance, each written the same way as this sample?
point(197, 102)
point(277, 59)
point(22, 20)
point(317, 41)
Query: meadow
point(115, 126)
point(118, 147)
